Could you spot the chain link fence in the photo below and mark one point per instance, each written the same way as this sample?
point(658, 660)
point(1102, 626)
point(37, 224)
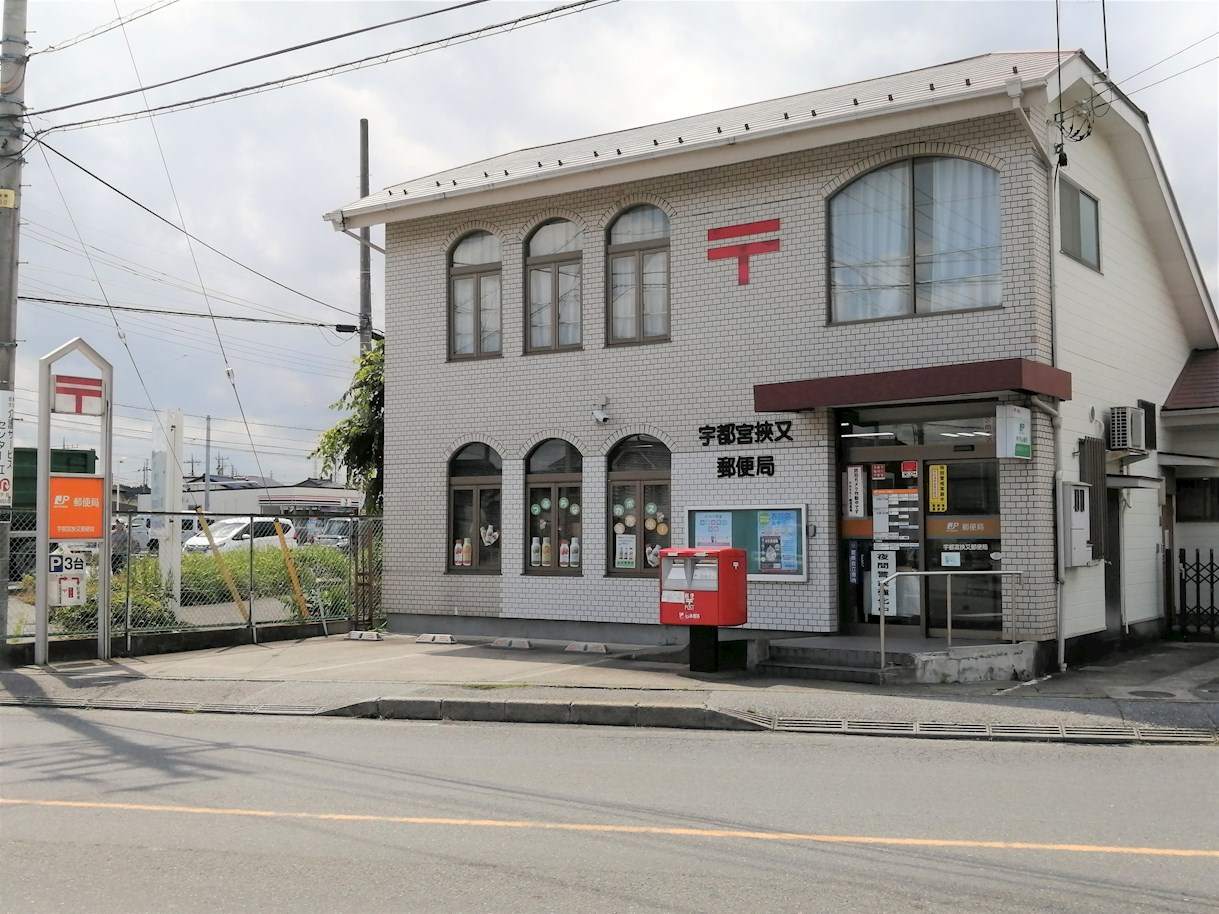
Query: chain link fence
point(255, 571)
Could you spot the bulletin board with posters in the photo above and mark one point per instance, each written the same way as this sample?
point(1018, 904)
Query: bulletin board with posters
point(772, 536)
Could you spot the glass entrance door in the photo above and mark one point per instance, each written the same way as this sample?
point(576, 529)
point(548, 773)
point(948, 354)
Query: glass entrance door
point(923, 515)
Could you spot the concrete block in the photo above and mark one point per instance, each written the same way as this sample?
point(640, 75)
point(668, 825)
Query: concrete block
point(584, 647)
point(409, 708)
point(519, 644)
point(435, 639)
point(359, 709)
point(472, 709)
point(603, 714)
point(537, 712)
point(682, 717)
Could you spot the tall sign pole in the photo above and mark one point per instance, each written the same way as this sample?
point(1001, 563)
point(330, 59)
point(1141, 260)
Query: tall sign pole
point(365, 252)
point(12, 141)
point(75, 508)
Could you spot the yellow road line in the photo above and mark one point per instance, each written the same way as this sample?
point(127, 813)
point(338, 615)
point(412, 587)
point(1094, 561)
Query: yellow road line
point(623, 829)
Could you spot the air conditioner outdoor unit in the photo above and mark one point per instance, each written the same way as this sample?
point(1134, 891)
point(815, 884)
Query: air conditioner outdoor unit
point(1126, 429)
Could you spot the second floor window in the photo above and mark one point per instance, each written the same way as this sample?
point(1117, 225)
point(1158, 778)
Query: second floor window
point(1080, 224)
point(639, 276)
point(914, 237)
point(474, 297)
point(553, 298)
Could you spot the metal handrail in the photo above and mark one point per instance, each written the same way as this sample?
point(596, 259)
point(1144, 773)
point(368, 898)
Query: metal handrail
point(884, 586)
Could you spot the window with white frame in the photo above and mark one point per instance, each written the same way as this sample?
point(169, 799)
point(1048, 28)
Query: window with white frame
point(553, 287)
point(1079, 218)
point(474, 297)
point(638, 258)
point(914, 237)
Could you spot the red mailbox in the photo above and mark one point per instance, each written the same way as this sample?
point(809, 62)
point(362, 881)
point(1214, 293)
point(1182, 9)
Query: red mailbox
point(704, 586)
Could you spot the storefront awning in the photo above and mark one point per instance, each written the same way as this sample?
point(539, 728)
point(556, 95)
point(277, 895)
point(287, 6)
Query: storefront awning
point(970, 379)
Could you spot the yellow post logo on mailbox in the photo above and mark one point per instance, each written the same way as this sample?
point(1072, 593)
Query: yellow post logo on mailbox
point(77, 506)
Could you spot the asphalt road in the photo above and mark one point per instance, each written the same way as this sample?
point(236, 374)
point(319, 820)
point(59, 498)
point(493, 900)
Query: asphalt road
point(112, 811)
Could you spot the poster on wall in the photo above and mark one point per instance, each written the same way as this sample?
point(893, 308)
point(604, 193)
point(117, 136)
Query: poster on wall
point(895, 516)
point(856, 507)
point(624, 550)
point(713, 528)
point(884, 563)
point(937, 488)
point(773, 538)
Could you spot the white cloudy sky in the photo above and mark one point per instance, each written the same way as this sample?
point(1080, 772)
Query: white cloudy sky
point(253, 176)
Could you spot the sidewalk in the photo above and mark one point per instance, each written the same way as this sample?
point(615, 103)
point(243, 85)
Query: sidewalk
point(1163, 693)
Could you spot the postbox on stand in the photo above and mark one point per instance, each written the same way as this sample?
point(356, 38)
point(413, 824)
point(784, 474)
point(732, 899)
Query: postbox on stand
point(703, 588)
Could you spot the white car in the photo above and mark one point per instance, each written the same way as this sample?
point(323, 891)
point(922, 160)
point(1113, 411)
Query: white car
point(146, 530)
point(233, 534)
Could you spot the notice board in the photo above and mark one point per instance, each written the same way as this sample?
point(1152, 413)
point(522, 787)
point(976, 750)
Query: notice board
point(772, 536)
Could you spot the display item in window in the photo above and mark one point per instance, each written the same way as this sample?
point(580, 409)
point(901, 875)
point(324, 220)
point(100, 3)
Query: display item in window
point(467, 552)
point(547, 554)
point(574, 556)
point(488, 534)
point(564, 553)
point(457, 553)
point(535, 552)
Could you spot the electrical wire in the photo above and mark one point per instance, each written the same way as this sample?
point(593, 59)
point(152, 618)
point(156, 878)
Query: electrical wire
point(255, 59)
point(215, 317)
point(194, 238)
point(108, 27)
point(384, 57)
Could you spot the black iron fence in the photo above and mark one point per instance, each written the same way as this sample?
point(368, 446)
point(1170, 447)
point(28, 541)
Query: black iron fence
point(175, 573)
point(1196, 614)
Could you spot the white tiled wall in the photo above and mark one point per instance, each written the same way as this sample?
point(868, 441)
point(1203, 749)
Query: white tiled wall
point(725, 339)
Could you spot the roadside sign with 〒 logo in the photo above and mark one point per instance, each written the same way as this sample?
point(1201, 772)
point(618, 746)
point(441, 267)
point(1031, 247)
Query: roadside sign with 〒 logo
point(76, 507)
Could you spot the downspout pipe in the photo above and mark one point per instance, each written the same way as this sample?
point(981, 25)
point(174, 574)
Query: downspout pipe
point(1060, 577)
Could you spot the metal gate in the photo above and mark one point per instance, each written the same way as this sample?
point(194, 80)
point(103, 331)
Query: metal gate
point(1197, 612)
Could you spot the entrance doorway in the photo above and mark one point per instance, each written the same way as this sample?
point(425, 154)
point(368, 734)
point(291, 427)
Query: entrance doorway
point(913, 501)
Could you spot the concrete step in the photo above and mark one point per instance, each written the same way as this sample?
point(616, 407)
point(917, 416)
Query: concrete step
point(825, 656)
point(822, 671)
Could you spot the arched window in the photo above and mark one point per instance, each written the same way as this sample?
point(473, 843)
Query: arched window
point(552, 508)
point(552, 265)
point(474, 509)
point(474, 297)
point(639, 276)
point(639, 515)
point(915, 237)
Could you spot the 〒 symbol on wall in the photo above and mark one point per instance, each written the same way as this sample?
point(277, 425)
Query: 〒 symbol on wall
point(742, 252)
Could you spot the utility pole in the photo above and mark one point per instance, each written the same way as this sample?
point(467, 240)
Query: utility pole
point(365, 251)
point(12, 142)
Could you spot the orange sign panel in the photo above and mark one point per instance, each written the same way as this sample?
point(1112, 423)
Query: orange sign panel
point(77, 504)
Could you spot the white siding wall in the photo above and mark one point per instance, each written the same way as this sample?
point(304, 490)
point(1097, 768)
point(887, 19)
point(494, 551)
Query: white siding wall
point(1120, 337)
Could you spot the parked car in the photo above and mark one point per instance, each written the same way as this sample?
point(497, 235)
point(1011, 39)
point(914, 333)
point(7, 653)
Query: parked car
point(146, 530)
point(338, 533)
point(233, 534)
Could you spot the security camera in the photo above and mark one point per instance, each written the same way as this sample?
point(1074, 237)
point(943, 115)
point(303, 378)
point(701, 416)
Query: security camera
point(601, 415)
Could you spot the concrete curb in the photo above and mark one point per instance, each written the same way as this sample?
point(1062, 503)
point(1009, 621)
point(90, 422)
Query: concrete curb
point(589, 713)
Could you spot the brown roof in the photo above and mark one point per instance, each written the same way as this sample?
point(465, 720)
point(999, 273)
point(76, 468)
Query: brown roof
point(1198, 385)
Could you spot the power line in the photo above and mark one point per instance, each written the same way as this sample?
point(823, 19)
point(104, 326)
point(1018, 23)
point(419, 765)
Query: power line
point(238, 63)
point(384, 57)
point(187, 234)
point(110, 26)
point(158, 311)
